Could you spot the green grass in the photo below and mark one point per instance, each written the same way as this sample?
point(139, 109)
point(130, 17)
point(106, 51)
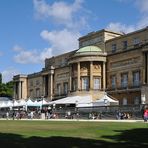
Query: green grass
point(72, 134)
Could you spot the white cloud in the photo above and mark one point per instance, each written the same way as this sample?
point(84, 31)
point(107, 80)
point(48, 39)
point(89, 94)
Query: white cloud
point(118, 27)
point(17, 48)
point(24, 56)
point(70, 16)
point(7, 75)
point(61, 41)
point(142, 6)
point(61, 12)
point(46, 53)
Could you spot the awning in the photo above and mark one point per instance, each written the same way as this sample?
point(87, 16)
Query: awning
point(73, 100)
point(105, 101)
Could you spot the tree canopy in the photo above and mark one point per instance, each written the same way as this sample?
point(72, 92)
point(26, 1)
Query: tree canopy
point(6, 89)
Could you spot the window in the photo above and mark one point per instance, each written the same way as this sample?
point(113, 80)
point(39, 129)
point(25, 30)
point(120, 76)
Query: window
point(97, 83)
point(85, 83)
point(59, 89)
point(113, 82)
point(65, 88)
point(31, 83)
point(37, 82)
point(37, 92)
point(124, 101)
point(74, 84)
point(136, 78)
point(31, 93)
point(137, 100)
point(114, 47)
point(124, 80)
point(136, 41)
point(124, 44)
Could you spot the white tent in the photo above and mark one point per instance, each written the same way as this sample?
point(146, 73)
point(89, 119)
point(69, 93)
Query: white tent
point(105, 101)
point(73, 100)
point(33, 103)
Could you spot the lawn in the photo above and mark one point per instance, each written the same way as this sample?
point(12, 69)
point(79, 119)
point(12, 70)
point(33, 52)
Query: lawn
point(72, 134)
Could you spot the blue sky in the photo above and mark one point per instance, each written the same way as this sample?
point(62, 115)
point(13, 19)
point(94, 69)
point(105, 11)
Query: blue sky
point(32, 30)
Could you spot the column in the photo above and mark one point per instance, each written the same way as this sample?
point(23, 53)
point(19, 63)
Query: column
point(14, 90)
point(91, 75)
point(51, 86)
point(104, 76)
point(17, 90)
point(70, 77)
point(20, 90)
point(130, 79)
point(78, 76)
point(144, 70)
point(43, 86)
point(147, 67)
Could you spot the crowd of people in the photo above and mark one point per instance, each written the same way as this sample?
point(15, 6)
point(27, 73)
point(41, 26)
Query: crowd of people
point(46, 113)
point(123, 115)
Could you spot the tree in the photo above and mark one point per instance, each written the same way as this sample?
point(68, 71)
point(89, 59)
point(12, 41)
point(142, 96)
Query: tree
point(6, 89)
point(0, 78)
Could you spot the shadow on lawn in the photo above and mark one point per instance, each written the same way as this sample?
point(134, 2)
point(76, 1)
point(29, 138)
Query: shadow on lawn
point(125, 139)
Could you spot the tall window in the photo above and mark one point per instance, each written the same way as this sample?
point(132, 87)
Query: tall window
point(136, 78)
point(85, 83)
point(124, 44)
point(31, 93)
point(37, 92)
point(37, 82)
point(74, 84)
point(124, 101)
point(113, 82)
point(114, 47)
point(124, 80)
point(31, 83)
point(97, 83)
point(137, 100)
point(59, 89)
point(65, 88)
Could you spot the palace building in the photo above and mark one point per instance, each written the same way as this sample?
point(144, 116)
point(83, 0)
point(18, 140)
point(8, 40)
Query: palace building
point(106, 61)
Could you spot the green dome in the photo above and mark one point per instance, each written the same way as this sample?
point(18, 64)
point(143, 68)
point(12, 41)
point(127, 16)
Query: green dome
point(89, 49)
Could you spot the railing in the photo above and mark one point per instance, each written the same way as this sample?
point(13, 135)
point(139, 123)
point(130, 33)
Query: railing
point(97, 112)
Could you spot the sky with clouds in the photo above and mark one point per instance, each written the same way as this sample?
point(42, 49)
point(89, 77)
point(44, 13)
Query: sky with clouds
point(32, 30)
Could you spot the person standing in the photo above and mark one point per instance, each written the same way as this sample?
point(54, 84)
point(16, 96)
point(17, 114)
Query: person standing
point(7, 115)
point(145, 115)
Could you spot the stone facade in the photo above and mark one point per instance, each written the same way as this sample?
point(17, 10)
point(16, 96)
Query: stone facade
point(105, 61)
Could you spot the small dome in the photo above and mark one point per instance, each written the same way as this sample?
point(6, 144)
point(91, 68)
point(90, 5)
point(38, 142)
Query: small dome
point(89, 49)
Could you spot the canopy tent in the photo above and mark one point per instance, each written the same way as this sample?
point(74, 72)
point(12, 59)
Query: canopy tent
point(19, 103)
point(105, 101)
point(5, 104)
point(33, 103)
point(79, 101)
point(73, 100)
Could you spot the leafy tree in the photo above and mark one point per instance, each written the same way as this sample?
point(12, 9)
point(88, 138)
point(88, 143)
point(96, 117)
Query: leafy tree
point(0, 78)
point(6, 89)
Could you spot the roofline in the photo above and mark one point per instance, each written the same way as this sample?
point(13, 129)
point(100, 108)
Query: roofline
point(130, 33)
point(62, 54)
point(99, 31)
